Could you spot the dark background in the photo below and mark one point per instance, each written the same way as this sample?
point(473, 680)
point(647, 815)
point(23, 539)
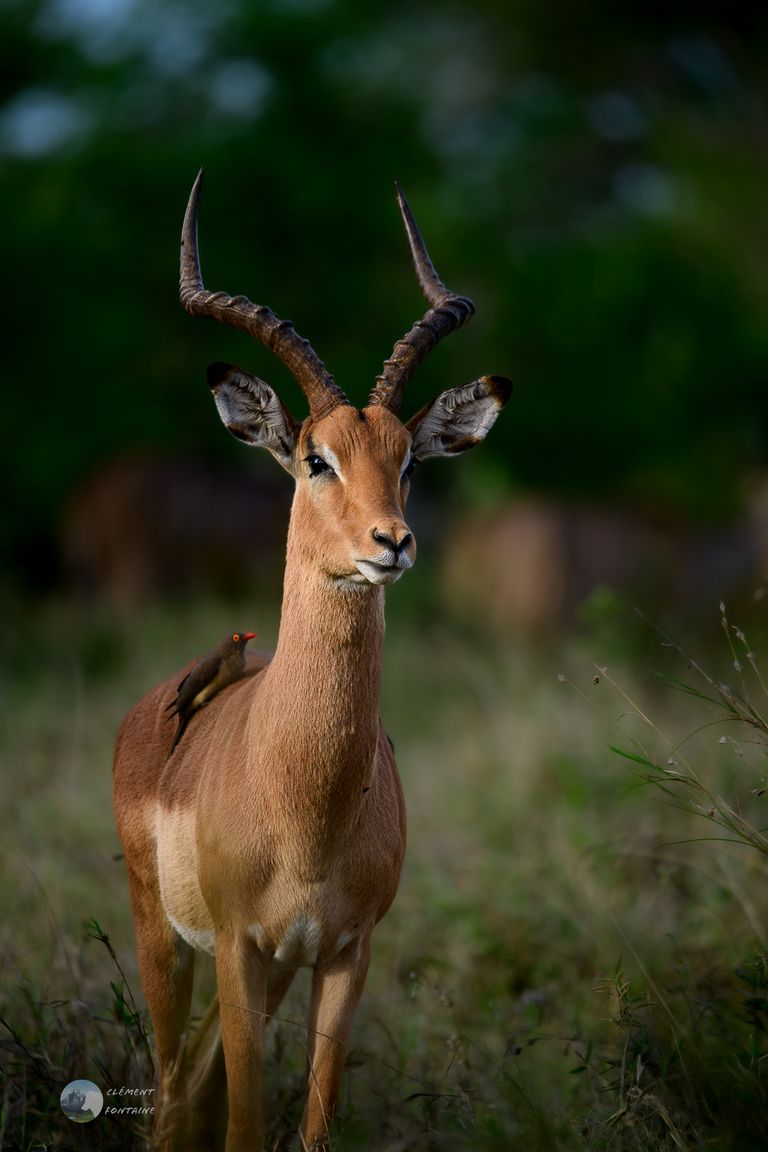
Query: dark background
point(592, 174)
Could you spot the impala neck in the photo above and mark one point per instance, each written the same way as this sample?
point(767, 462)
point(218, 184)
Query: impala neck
point(325, 676)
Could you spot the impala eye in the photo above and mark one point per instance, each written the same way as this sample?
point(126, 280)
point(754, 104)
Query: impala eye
point(317, 465)
point(408, 470)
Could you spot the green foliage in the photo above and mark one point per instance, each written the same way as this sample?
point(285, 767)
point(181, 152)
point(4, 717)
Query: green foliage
point(51, 1041)
point(674, 1037)
point(124, 1005)
point(675, 774)
point(496, 1013)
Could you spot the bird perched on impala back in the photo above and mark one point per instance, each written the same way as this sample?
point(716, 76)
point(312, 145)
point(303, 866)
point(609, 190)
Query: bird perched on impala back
point(219, 668)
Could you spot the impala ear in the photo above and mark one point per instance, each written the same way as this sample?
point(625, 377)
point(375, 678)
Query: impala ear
point(251, 410)
point(459, 418)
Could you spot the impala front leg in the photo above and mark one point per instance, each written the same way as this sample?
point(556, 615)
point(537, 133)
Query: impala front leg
point(336, 991)
point(242, 983)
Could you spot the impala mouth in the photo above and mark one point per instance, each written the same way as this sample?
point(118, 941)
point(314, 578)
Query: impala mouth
point(378, 573)
point(384, 570)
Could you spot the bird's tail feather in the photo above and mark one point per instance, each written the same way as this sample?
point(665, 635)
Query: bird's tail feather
point(179, 733)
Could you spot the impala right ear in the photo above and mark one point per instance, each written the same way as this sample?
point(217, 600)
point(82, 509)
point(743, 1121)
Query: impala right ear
point(251, 410)
point(459, 418)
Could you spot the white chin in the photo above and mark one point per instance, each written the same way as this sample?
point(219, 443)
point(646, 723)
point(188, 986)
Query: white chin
point(375, 574)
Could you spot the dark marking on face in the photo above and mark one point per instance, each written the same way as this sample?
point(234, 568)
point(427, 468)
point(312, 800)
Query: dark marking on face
point(361, 416)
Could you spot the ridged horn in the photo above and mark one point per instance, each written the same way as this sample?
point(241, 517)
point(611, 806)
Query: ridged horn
point(446, 313)
point(257, 320)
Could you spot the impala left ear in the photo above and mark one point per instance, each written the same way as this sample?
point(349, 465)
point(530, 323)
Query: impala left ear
point(459, 418)
point(252, 411)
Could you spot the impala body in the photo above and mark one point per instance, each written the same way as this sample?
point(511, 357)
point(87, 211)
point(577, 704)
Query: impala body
point(274, 835)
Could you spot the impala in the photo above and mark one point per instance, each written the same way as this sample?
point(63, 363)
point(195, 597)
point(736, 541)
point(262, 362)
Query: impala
point(274, 836)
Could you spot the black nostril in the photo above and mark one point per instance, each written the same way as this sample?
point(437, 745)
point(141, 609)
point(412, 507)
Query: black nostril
point(383, 538)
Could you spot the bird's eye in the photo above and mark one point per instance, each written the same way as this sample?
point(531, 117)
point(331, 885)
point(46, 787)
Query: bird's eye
point(317, 465)
point(236, 637)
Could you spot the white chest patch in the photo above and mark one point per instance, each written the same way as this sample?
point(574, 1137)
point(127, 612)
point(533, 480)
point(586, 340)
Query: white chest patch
point(301, 942)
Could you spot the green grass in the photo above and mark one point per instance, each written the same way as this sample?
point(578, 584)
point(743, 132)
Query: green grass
point(575, 960)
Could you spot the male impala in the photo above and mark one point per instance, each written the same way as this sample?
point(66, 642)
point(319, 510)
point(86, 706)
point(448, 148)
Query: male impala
point(274, 835)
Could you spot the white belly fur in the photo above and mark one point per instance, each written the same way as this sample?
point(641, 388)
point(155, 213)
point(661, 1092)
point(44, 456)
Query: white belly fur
point(179, 888)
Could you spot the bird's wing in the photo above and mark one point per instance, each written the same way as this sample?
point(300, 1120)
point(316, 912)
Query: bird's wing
point(196, 680)
point(173, 706)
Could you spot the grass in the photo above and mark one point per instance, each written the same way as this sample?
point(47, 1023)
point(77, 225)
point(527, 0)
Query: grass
point(576, 959)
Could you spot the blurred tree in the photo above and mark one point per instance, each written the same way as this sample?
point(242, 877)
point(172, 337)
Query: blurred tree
point(593, 176)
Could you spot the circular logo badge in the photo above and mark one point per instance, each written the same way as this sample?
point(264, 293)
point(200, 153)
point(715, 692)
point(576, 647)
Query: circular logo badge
point(81, 1101)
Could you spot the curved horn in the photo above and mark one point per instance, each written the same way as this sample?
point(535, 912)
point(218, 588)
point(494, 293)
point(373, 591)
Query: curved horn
point(256, 319)
point(446, 313)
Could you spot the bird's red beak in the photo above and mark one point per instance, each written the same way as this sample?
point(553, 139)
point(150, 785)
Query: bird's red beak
point(249, 635)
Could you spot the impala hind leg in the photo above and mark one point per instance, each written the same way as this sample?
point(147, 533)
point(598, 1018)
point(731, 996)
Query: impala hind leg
point(166, 966)
point(242, 981)
point(206, 1084)
point(336, 991)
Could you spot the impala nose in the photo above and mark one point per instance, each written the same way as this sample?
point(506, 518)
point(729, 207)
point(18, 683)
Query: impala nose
point(393, 539)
